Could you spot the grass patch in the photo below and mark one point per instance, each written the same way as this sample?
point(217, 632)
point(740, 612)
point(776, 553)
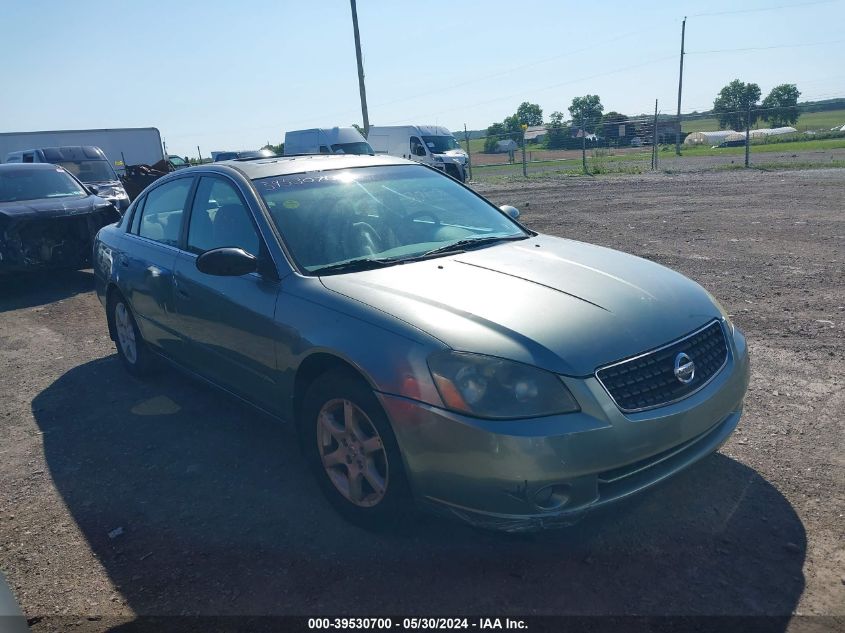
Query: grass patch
point(807, 121)
point(757, 148)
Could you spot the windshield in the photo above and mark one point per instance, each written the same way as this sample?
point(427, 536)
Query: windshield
point(90, 170)
point(34, 184)
point(440, 144)
point(390, 213)
point(360, 147)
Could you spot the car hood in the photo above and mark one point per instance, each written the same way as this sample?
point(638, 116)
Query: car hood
point(51, 207)
point(563, 305)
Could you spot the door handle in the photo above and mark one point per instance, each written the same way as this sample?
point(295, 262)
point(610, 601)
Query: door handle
point(179, 290)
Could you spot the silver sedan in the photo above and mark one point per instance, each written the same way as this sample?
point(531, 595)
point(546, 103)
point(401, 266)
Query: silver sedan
point(429, 347)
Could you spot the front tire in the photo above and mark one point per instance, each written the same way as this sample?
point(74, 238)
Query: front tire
point(352, 451)
point(131, 348)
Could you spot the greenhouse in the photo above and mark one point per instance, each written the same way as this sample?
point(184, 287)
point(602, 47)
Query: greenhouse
point(775, 131)
point(708, 138)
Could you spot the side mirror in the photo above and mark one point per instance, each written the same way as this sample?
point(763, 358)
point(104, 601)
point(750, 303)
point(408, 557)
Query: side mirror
point(513, 212)
point(94, 190)
point(227, 262)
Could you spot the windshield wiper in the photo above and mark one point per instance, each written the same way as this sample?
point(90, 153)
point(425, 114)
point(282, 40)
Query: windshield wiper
point(362, 263)
point(470, 242)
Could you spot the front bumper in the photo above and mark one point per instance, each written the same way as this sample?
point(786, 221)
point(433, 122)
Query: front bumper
point(522, 475)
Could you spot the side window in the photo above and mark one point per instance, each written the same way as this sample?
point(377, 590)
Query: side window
point(417, 148)
point(161, 217)
point(220, 218)
point(136, 215)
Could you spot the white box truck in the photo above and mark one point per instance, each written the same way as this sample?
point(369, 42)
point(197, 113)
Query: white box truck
point(430, 144)
point(136, 146)
point(334, 140)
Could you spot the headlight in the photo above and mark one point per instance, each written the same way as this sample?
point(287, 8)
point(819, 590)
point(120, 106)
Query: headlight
point(490, 387)
point(722, 310)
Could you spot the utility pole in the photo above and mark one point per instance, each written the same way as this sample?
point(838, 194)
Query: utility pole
point(199, 153)
point(654, 140)
point(524, 166)
point(680, 87)
point(583, 145)
point(360, 68)
point(747, 131)
point(469, 153)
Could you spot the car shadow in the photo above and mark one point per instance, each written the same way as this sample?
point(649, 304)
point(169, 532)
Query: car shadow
point(27, 290)
point(196, 504)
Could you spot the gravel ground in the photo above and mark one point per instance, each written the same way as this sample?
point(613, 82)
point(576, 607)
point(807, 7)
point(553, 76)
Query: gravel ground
point(120, 498)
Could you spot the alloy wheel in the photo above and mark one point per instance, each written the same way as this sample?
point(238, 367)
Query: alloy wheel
point(352, 452)
point(125, 332)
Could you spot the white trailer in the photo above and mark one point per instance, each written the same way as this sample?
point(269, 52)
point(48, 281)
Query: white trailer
point(134, 145)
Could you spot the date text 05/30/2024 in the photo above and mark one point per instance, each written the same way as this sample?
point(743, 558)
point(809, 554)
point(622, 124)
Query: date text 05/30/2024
point(411, 624)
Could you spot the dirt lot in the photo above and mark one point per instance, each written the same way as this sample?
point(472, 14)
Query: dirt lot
point(120, 498)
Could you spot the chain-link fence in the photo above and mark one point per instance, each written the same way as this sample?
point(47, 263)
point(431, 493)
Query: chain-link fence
point(648, 143)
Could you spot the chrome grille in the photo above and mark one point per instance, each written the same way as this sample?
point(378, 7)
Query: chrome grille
point(649, 381)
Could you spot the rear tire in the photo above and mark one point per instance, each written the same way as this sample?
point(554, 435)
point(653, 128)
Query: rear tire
point(131, 348)
point(352, 451)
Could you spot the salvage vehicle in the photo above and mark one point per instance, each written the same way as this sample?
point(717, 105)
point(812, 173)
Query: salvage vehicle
point(89, 164)
point(330, 140)
point(427, 346)
point(258, 153)
point(432, 145)
point(48, 219)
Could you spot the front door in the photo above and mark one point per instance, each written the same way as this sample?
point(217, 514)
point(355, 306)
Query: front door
point(227, 322)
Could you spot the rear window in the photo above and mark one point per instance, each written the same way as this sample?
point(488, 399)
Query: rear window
point(35, 184)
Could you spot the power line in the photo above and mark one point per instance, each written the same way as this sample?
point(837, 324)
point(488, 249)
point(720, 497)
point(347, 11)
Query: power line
point(760, 9)
point(543, 89)
point(599, 44)
point(764, 48)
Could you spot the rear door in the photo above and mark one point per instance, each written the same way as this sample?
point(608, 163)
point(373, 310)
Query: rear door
point(227, 321)
point(148, 258)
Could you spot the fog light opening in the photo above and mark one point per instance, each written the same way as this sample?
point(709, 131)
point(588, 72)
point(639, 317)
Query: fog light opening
point(552, 497)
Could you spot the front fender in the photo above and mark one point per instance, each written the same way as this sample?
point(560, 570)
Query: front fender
point(390, 355)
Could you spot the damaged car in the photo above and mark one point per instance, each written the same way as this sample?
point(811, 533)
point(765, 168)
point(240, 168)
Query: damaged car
point(87, 163)
point(48, 219)
point(429, 348)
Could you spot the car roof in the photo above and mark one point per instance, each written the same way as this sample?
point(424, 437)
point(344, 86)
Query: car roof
point(285, 165)
point(28, 166)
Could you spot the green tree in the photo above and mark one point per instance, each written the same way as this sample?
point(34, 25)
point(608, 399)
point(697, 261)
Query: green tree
point(558, 133)
point(586, 111)
point(780, 107)
point(277, 149)
point(359, 128)
point(495, 133)
point(529, 113)
point(732, 104)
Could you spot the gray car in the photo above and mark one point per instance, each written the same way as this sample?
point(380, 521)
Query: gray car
point(429, 348)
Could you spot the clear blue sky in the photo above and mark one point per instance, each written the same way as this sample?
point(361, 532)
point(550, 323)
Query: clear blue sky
point(227, 74)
